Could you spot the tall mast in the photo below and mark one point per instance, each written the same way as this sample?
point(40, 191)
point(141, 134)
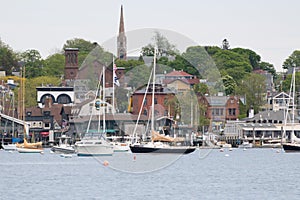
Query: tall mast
point(153, 90)
point(113, 83)
point(103, 98)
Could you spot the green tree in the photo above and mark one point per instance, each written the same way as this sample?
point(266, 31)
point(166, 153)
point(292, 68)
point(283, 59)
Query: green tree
point(254, 59)
point(200, 62)
point(8, 59)
point(229, 84)
point(138, 76)
point(54, 65)
point(33, 63)
point(201, 89)
point(268, 67)
point(31, 84)
point(164, 47)
point(292, 61)
point(85, 48)
point(286, 84)
point(253, 91)
point(128, 64)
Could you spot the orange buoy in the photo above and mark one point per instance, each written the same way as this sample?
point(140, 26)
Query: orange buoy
point(105, 163)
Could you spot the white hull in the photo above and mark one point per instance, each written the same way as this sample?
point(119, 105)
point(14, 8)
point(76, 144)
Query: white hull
point(9, 147)
point(63, 149)
point(120, 146)
point(93, 148)
point(246, 145)
point(275, 145)
point(26, 150)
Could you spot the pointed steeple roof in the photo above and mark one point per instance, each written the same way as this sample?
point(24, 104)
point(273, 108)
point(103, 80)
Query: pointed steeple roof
point(121, 27)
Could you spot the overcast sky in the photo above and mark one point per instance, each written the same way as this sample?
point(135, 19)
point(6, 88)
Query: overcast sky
point(268, 27)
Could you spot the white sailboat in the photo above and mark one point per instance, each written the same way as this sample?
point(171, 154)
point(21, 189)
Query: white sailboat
point(294, 144)
point(159, 143)
point(95, 144)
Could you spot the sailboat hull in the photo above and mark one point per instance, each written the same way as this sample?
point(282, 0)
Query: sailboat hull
point(170, 150)
point(9, 147)
point(289, 147)
point(85, 149)
point(26, 150)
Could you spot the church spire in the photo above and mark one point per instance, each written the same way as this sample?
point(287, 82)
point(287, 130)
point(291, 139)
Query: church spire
point(121, 27)
point(121, 40)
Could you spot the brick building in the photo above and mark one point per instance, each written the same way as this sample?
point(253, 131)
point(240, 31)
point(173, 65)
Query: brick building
point(219, 109)
point(162, 96)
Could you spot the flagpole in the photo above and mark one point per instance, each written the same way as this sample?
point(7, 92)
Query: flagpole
point(113, 83)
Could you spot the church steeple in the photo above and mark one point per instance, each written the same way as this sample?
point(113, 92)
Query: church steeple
point(121, 27)
point(121, 41)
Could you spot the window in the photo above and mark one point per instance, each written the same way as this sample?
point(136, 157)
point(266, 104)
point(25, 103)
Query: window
point(231, 111)
point(145, 112)
point(155, 100)
point(63, 99)
point(47, 125)
point(46, 113)
point(145, 102)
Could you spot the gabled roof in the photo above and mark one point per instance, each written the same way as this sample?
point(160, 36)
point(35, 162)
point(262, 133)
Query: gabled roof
point(178, 73)
point(187, 81)
point(217, 100)
point(55, 111)
point(267, 115)
point(282, 95)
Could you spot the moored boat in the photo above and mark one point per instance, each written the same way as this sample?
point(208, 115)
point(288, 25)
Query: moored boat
point(158, 147)
point(159, 143)
point(63, 146)
point(95, 143)
point(93, 147)
point(28, 150)
point(29, 147)
point(290, 147)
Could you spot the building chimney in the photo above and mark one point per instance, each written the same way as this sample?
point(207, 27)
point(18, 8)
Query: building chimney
point(71, 63)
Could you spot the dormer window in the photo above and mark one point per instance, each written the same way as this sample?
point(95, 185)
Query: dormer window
point(46, 113)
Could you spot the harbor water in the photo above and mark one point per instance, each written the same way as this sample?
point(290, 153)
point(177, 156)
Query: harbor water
point(203, 174)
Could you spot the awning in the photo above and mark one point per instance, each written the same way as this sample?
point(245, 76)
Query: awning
point(44, 134)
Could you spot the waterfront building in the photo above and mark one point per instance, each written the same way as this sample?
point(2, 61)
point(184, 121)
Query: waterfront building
point(220, 109)
point(264, 126)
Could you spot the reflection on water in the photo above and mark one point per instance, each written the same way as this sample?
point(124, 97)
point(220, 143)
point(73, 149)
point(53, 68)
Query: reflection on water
point(204, 174)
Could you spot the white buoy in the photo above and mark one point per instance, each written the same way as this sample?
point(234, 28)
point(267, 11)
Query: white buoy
point(226, 155)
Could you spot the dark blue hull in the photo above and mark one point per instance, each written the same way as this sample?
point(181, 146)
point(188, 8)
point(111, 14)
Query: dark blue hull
point(289, 147)
point(170, 150)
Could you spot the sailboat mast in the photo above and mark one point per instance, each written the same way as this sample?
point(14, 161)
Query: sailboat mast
point(103, 98)
point(153, 90)
point(113, 84)
point(293, 104)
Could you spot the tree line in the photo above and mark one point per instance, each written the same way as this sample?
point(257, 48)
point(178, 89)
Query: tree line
point(224, 68)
